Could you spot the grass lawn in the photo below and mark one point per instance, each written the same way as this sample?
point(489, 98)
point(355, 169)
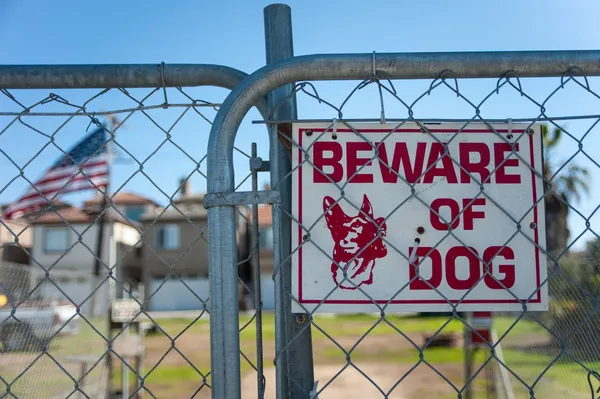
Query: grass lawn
point(53, 374)
point(184, 358)
point(177, 363)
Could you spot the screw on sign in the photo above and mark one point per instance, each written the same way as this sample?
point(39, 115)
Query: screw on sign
point(419, 219)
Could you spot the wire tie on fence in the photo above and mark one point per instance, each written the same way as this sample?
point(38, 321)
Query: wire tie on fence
point(382, 120)
point(334, 128)
point(375, 78)
point(571, 71)
point(507, 76)
point(510, 125)
point(162, 78)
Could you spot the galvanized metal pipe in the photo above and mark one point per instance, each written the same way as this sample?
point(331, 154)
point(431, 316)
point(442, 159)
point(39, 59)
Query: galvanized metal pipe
point(224, 314)
point(294, 362)
point(115, 76)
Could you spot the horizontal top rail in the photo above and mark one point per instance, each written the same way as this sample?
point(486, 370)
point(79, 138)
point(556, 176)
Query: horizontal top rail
point(388, 65)
point(385, 65)
point(114, 76)
point(125, 76)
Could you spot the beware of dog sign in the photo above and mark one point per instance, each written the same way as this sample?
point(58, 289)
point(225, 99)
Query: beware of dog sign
point(417, 217)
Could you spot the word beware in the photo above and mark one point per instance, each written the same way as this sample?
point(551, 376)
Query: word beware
point(490, 165)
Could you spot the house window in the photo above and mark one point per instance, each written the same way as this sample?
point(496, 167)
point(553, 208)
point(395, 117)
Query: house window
point(266, 237)
point(134, 213)
point(167, 237)
point(56, 239)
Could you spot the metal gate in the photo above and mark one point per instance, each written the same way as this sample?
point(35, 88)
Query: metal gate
point(395, 81)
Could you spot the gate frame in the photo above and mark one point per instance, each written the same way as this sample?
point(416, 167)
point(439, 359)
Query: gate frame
point(221, 197)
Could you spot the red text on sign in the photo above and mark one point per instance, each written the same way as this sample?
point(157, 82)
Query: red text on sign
point(474, 160)
point(468, 214)
point(446, 268)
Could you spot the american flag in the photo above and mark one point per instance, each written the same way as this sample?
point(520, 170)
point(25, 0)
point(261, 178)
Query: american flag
point(84, 167)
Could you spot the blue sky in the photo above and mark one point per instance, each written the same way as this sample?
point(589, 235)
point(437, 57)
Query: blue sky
point(232, 33)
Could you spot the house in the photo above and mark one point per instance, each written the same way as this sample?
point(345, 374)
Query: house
point(16, 241)
point(65, 241)
point(175, 253)
point(131, 206)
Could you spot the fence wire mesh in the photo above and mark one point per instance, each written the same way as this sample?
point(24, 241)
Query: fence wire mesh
point(58, 279)
point(55, 308)
point(396, 354)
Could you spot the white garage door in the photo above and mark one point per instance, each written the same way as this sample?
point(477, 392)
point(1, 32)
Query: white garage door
point(174, 295)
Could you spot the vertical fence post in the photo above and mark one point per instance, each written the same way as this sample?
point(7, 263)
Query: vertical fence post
point(294, 358)
point(224, 311)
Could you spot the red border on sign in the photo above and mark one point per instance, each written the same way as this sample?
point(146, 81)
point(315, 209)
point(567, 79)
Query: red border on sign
point(537, 299)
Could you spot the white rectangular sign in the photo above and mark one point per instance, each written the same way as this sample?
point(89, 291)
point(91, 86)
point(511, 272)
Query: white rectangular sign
point(411, 227)
point(124, 310)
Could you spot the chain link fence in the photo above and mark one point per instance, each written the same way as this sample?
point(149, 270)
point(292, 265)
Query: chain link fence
point(383, 354)
point(376, 348)
point(216, 314)
point(143, 238)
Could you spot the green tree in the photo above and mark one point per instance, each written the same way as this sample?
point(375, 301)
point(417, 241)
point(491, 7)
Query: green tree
point(563, 184)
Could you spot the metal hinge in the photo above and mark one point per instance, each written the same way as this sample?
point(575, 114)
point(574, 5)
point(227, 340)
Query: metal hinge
point(242, 198)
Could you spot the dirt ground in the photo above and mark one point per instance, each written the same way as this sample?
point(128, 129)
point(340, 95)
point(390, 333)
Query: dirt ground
point(421, 382)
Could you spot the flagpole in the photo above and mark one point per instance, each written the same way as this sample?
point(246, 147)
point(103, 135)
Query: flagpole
point(101, 220)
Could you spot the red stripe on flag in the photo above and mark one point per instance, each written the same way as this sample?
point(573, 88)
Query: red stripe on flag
point(69, 173)
point(66, 180)
point(37, 201)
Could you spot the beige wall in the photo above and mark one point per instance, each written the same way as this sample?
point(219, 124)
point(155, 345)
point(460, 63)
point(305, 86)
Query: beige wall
point(24, 232)
point(79, 258)
point(126, 234)
point(193, 262)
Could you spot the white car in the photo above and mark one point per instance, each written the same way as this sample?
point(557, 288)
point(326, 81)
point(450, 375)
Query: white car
point(31, 325)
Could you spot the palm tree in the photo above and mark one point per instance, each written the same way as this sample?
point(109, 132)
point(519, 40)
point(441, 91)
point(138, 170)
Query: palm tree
point(562, 185)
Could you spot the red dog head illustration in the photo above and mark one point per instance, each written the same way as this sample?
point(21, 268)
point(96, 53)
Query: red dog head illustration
point(358, 242)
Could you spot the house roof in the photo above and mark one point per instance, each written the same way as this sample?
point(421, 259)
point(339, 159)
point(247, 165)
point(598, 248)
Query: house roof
point(186, 207)
point(193, 198)
point(74, 214)
point(123, 198)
